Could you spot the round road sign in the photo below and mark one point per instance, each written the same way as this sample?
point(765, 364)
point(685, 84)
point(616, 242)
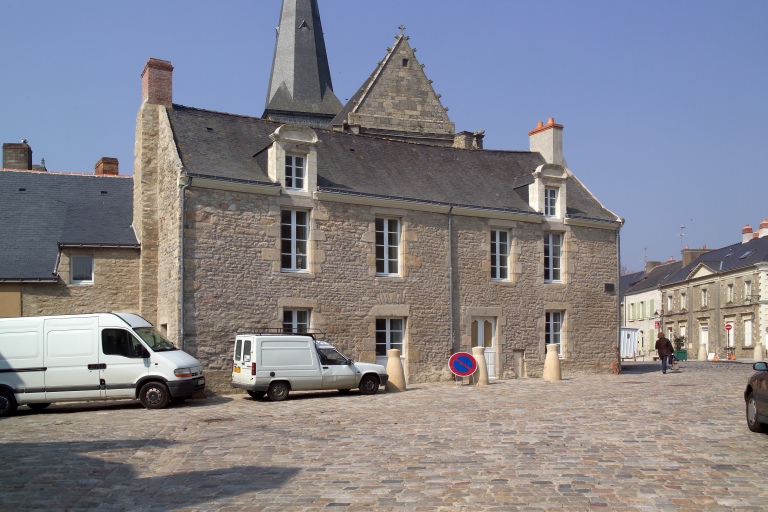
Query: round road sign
point(462, 364)
point(728, 327)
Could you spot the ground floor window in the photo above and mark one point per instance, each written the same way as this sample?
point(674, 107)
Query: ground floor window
point(554, 330)
point(748, 332)
point(390, 333)
point(296, 320)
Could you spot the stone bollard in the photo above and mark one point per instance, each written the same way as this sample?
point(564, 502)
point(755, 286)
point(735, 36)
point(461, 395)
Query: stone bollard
point(552, 364)
point(757, 355)
point(482, 369)
point(702, 353)
point(396, 381)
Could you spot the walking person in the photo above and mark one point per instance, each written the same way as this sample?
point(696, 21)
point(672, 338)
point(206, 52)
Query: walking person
point(665, 350)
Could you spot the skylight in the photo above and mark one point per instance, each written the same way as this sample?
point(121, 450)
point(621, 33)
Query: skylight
point(746, 254)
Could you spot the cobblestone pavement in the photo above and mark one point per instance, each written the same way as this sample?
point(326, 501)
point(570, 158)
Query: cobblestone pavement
point(635, 441)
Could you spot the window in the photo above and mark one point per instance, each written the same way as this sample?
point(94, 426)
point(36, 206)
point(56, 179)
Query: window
point(550, 202)
point(552, 255)
point(683, 301)
point(296, 320)
point(729, 293)
point(554, 329)
point(82, 269)
point(748, 332)
point(294, 172)
point(389, 335)
point(118, 342)
point(652, 308)
point(294, 235)
point(387, 246)
point(330, 356)
point(704, 298)
point(641, 314)
point(670, 303)
point(499, 255)
point(747, 292)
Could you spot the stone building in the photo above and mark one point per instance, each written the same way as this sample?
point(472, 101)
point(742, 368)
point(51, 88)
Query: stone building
point(68, 245)
point(718, 300)
point(368, 231)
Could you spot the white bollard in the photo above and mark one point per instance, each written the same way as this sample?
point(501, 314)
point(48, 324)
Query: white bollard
point(552, 364)
point(702, 353)
point(482, 369)
point(757, 354)
point(396, 381)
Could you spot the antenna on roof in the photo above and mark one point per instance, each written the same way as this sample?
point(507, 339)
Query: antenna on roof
point(682, 234)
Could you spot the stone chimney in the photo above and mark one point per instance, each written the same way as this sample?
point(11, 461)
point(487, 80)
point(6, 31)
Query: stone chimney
point(469, 140)
point(763, 228)
point(157, 83)
point(746, 234)
point(106, 167)
point(548, 140)
point(650, 265)
point(17, 156)
point(691, 254)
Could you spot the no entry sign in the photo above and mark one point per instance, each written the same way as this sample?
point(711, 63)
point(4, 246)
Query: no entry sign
point(462, 364)
point(728, 327)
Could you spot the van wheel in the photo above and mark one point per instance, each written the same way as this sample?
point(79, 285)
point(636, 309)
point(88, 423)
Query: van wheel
point(154, 395)
point(37, 407)
point(257, 394)
point(369, 385)
point(7, 403)
point(278, 391)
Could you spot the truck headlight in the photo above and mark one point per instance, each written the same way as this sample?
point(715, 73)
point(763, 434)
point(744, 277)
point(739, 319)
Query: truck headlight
point(182, 372)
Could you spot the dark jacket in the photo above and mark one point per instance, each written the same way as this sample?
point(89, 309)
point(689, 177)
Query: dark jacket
point(664, 346)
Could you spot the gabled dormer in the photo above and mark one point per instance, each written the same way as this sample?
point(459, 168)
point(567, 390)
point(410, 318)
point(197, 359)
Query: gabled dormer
point(547, 194)
point(293, 159)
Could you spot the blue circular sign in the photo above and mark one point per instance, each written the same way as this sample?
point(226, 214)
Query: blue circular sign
point(462, 364)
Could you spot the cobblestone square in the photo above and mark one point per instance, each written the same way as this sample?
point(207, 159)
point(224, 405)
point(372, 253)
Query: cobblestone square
point(635, 441)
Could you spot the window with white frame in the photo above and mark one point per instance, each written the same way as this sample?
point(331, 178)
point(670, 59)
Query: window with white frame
point(748, 332)
point(390, 333)
point(554, 330)
point(296, 320)
point(499, 255)
point(552, 257)
point(294, 172)
point(683, 300)
point(387, 247)
point(550, 202)
point(704, 298)
point(747, 292)
point(294, 235)
point(82, 269)
point(641, 314)
point(670, 303)
point(729, 293)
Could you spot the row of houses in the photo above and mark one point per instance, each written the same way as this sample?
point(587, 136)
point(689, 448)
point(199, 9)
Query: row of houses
point(375, 222)
point(713, 301)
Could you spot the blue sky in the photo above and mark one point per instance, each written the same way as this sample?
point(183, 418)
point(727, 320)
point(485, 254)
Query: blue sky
point(664, 103)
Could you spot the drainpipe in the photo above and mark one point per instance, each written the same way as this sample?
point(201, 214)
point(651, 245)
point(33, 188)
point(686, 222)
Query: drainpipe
point(450, 272)
point(618, 298)
point(181, 260)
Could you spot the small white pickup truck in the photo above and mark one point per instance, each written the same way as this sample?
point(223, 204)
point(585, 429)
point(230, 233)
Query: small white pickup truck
point(276, 364)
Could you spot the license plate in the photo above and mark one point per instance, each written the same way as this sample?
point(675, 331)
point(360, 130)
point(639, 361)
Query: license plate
point(237, 369)
point(200, 382)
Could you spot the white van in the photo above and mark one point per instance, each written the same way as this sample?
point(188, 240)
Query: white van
point(275, 364)
point(100, 356)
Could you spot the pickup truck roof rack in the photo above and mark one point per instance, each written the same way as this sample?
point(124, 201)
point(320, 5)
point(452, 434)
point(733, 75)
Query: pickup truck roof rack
point(281, 331)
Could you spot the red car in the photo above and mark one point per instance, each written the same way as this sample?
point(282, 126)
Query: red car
point(756, 396)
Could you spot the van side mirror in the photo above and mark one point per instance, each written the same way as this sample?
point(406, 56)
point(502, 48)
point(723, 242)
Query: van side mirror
point(144, 353)
point(350, 362)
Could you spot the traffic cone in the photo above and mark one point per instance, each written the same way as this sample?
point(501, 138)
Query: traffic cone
point(716, 358)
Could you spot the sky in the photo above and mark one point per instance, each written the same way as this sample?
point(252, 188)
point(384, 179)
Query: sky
point(664, 103)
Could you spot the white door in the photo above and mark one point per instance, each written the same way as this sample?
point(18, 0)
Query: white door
point(484, 335)
point(704, 337)
point(337, 373)
point(72, 359)
point(390, 334)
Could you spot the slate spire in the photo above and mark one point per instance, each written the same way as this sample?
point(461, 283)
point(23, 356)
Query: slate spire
point(300, 89)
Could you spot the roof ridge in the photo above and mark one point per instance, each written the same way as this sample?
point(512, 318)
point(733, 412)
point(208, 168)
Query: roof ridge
point(65, 173)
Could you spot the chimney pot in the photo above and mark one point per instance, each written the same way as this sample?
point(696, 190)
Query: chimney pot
point(106, 167)
point(763, 231)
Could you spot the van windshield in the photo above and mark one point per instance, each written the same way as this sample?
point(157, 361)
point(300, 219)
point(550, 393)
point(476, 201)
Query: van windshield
point(154, 339)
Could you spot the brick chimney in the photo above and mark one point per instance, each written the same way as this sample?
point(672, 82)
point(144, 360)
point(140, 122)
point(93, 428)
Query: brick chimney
point(106, 167)
point(548, 140)
point(17, 156)
point(157, 82)
point(746, 234)
point(763, 228)
point(691, 254)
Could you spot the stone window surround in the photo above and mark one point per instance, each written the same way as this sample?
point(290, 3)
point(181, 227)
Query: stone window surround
point(294, 140)
point(555, 307)
point(549, 176)
point(389, 311)
point(77, 255)
point(514, 266)
point(287, 303)
point(399, 263)
point(405, 234)
point(308, 266)
point(561, 267)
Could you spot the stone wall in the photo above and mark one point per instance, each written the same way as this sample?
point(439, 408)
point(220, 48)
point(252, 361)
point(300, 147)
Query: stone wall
point(234, 284)
point(115, 286)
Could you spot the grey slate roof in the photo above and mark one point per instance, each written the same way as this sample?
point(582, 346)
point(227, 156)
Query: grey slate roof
point(626, 281)
point(656, 277)
point(727, 259)
point(231, 147)
point(39, 211)
point(300, 81)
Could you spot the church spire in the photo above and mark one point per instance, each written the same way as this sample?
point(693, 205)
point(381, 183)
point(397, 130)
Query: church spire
point(300, 89)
